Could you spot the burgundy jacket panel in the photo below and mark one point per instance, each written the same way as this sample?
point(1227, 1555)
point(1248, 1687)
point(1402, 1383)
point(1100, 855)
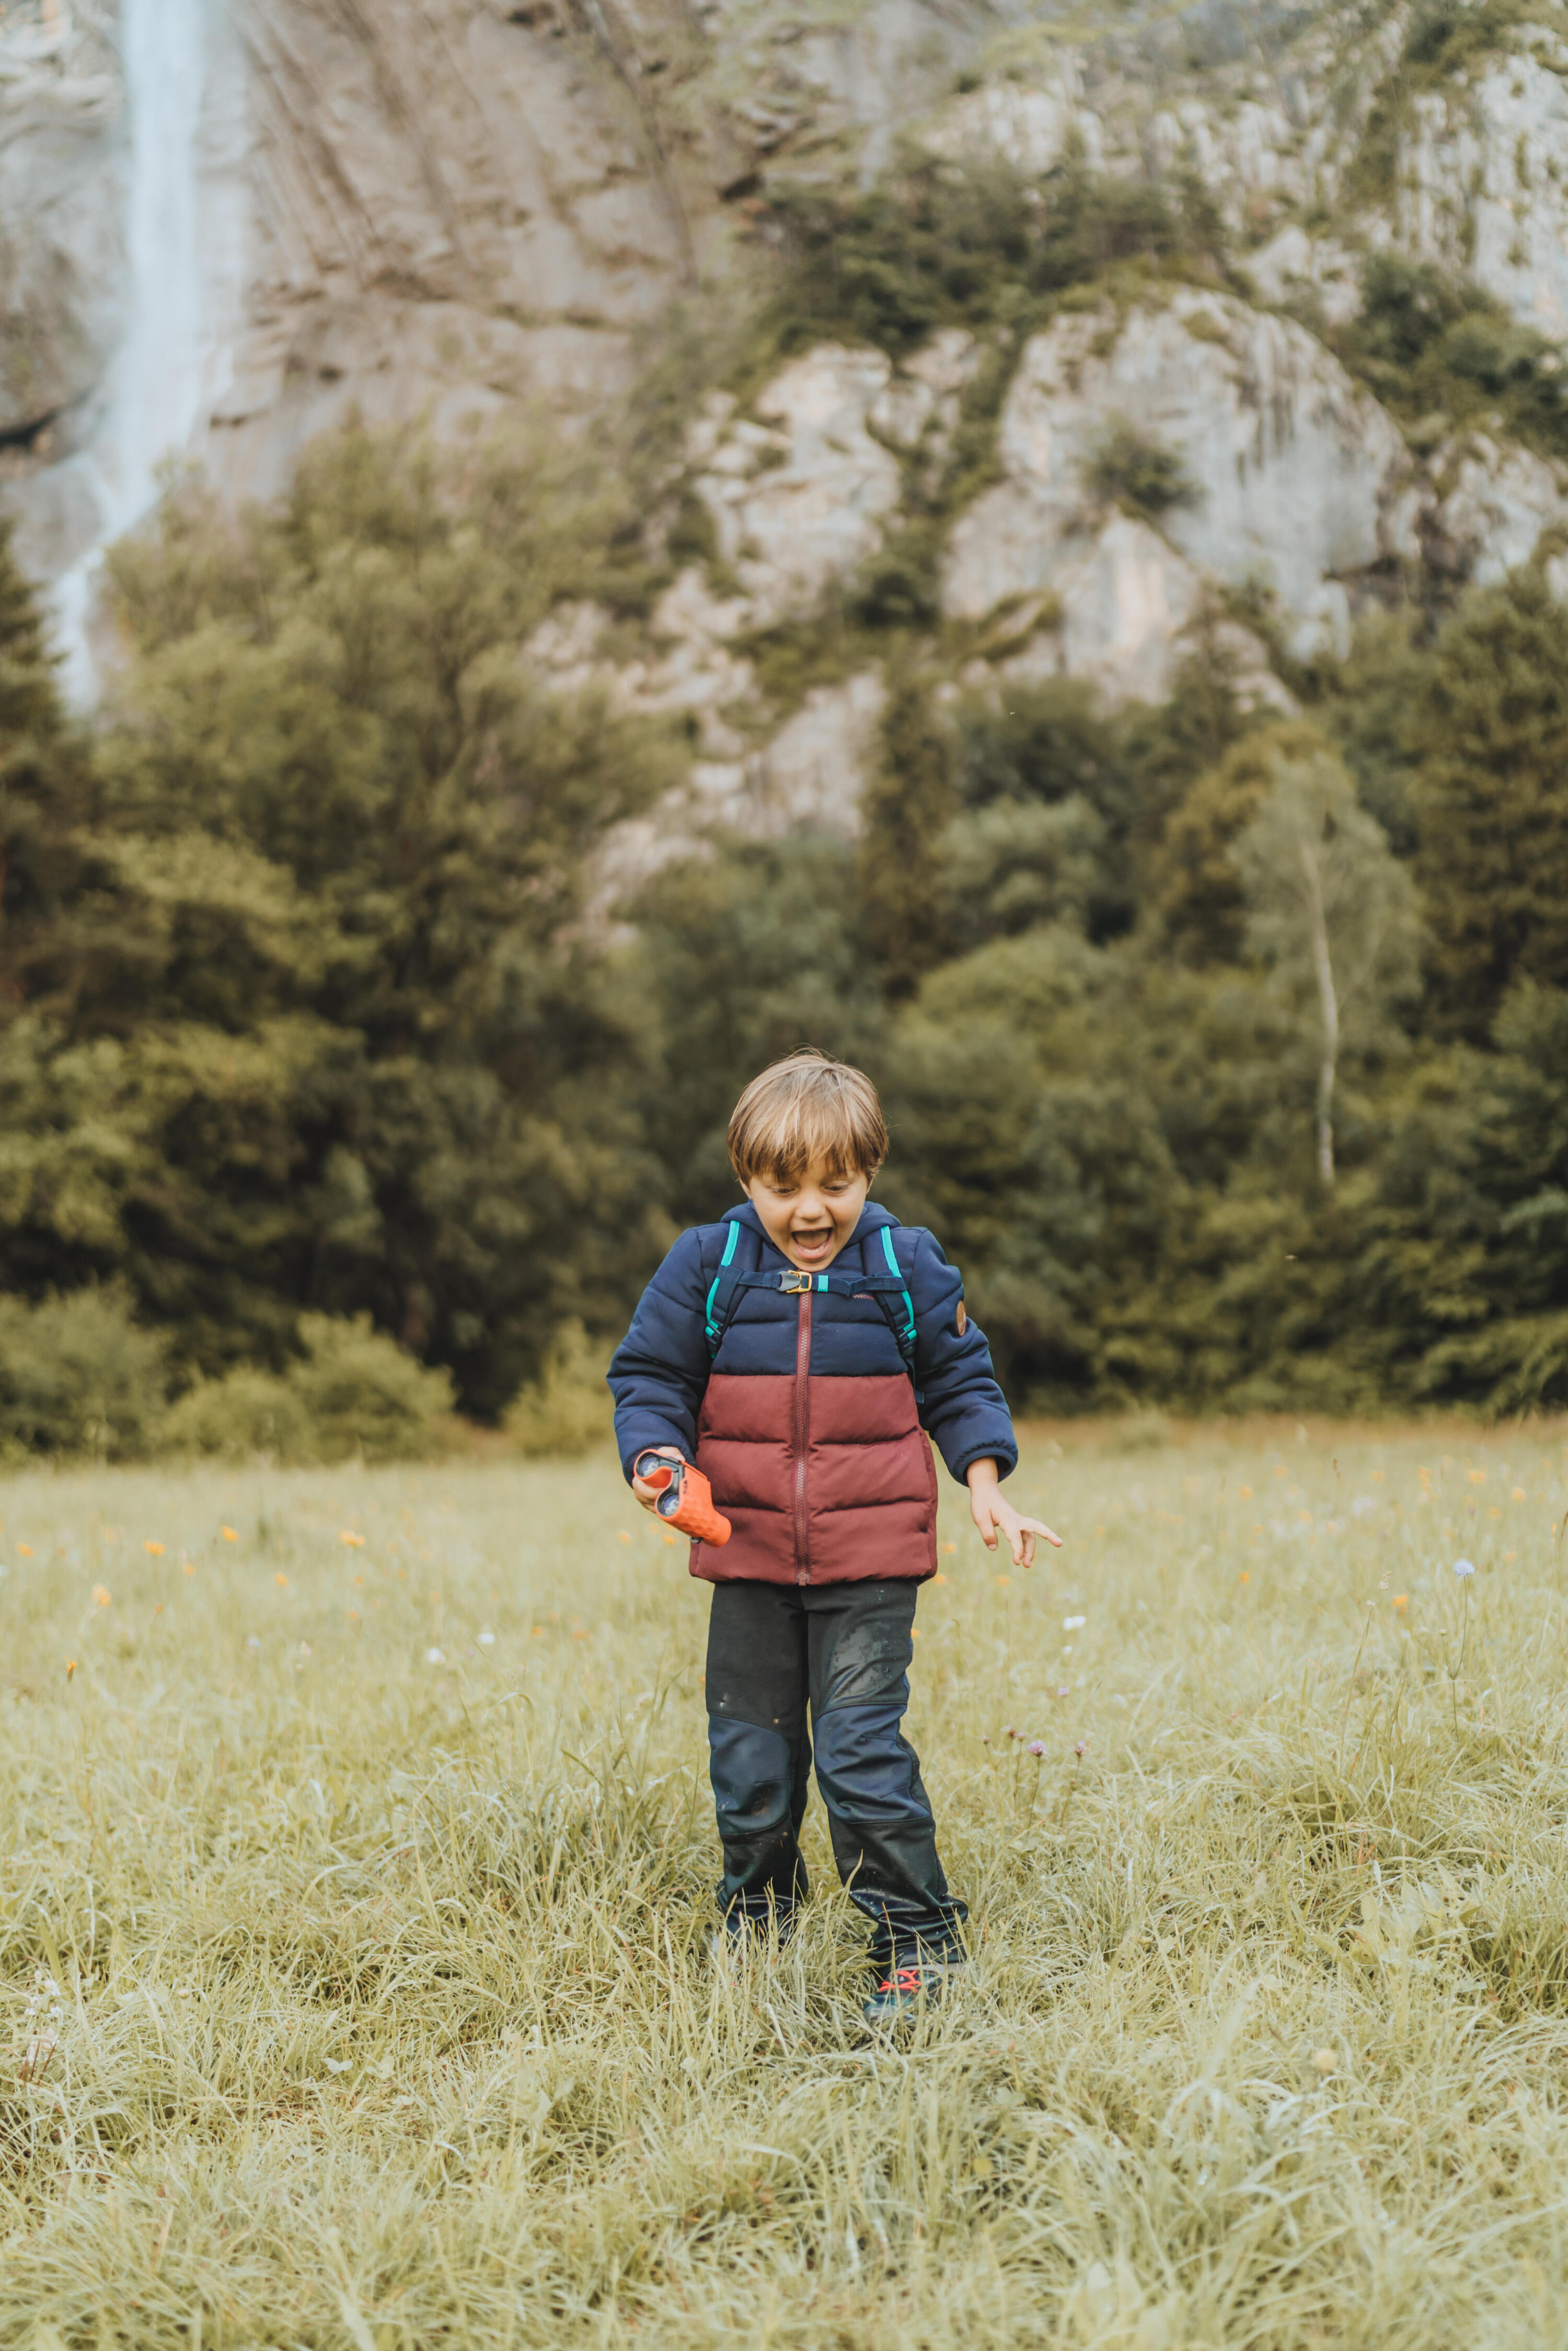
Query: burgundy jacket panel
point(882, 1539)
point(869, 1487)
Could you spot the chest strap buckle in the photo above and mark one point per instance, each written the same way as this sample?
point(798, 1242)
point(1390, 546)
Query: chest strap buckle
point(795, 1280)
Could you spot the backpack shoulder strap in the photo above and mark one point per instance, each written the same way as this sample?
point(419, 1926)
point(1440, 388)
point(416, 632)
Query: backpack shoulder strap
point(742, 1253)
point(889, 1285)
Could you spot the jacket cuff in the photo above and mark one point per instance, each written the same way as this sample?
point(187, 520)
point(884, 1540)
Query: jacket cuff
point(645, 1440)
point(1004, 1455)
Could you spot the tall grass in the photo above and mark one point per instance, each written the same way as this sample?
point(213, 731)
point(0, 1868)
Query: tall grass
point(362, 1821)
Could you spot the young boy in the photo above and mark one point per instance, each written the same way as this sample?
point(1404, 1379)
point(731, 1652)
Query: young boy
point(797, 1353)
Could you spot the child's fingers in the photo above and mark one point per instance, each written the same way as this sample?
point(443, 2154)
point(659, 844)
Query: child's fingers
point(649, 1495)
point(1039, 1527)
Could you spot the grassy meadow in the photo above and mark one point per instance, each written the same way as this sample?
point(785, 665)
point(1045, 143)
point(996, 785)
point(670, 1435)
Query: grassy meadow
point(363, 1819)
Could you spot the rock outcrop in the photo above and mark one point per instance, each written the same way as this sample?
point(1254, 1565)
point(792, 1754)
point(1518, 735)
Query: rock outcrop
point(1480, 184)
point(475, 219)
point(1291, 480)
point(800, 498)
point(1492, 508)
point(63, 280)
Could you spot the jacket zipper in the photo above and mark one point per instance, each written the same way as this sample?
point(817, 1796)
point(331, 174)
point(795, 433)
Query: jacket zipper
point(802, 1397)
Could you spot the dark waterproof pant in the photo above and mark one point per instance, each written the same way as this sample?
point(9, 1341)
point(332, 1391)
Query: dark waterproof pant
point(843, 1649)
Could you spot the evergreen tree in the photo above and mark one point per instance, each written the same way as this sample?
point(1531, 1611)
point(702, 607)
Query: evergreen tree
point(903, 904)
point(28, 703)
point(1491, 799)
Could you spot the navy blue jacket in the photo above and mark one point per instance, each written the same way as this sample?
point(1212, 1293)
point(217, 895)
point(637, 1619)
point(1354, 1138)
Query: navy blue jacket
point(807, 1421)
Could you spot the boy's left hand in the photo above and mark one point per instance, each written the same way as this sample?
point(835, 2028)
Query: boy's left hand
point(995, 1516)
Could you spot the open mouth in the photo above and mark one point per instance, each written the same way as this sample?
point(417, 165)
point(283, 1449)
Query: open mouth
point(812, 1245)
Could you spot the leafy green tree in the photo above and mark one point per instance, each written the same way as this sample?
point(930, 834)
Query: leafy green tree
point(1491, 799)
point(348, 1049)
point(1332, 914)
point(739, 957)
point(1195, 901)
point(1368, 704)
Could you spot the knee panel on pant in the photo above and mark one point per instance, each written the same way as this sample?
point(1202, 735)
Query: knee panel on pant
point(749, 1768)
point(866, 1770)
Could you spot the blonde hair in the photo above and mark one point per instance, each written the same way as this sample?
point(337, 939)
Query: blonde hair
point(807, 1107)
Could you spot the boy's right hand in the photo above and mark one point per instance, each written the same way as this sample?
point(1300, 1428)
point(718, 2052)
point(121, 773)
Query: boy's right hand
point(649, 1495)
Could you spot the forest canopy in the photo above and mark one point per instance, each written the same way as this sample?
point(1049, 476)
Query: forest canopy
point(1227, 1051)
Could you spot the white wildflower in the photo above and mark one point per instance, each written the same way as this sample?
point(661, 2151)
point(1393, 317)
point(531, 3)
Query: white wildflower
point(46, 2017)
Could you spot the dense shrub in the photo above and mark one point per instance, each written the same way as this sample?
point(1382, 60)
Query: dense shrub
point(567, 1410)
point(77, 1376)
point(1432, 347)
point(935, 244)
point(352, 1392)
point(1127, 469)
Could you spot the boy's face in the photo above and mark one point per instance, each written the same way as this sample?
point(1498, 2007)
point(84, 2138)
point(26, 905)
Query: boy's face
point(811, 1220)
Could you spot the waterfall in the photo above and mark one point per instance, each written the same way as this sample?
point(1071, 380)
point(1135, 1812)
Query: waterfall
point(157, 390)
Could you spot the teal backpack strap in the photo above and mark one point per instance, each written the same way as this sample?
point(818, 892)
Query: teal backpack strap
point(896, 1301)
point(732, 1272)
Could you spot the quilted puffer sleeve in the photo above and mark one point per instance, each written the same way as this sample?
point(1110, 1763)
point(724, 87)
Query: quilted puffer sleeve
point(964, 1408)
point(659, 1372)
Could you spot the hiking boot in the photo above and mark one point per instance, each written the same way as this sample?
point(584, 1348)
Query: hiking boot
point(905, 1991)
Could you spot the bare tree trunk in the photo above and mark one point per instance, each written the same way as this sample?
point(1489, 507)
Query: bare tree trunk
point(1329, 1003)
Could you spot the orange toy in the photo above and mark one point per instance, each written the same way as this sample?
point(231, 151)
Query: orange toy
point(685, 1497)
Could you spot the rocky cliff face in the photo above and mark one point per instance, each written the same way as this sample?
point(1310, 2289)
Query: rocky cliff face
point(436, 208)
point(454, 208)
point(64, 284)
point(436, 211)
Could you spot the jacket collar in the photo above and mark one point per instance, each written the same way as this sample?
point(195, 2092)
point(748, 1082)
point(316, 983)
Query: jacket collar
point(871, 1218)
